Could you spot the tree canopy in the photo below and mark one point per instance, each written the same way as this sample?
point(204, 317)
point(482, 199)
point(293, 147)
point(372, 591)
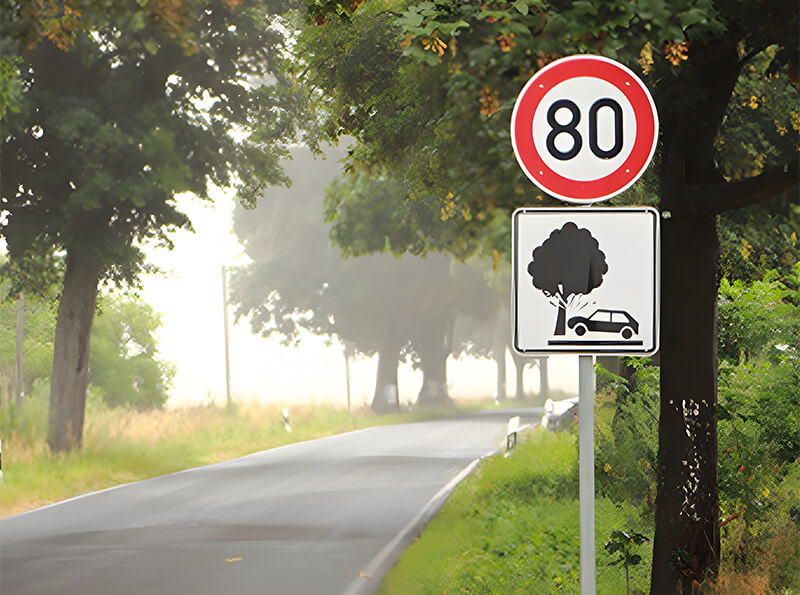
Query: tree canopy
point(433, 109)
point(109, 128)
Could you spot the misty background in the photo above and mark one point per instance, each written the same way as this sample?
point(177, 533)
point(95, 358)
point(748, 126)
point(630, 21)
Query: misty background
point(287, 228)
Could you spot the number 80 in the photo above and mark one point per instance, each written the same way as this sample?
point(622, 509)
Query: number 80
point(570, 128)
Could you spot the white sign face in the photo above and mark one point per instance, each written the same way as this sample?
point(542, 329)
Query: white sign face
point(584, 128)
point(586, 280)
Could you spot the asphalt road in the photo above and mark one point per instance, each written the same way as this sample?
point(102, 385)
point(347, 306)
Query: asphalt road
point(328, 516)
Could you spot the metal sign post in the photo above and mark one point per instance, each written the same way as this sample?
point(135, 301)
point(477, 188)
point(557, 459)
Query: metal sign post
point(584, 128)
point(586, 471)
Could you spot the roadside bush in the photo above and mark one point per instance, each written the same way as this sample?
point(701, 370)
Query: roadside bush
point(626, 434)
point(759, 436)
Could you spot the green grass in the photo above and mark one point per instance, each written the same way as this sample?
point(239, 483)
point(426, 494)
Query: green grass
point(513, 527)
point(121, 446)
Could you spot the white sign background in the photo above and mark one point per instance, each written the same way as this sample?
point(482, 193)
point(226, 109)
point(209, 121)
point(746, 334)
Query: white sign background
point(629, 238)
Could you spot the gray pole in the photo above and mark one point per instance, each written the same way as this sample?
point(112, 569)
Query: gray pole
point(20, 386)
point(586, 471)
point(227, 352)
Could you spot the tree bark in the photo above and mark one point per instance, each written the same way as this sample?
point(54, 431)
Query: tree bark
point(687, 504)
point(686, 546)
point(71, 350)
point(386, 398)
point(434, 353)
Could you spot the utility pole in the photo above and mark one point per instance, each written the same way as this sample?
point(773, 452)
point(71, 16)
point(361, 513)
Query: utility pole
point(20, 386)
point(348, 351)
point(227, 350)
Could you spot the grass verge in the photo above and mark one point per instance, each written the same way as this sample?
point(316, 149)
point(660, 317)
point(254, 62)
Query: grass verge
point(513, 527)
point(121, 446)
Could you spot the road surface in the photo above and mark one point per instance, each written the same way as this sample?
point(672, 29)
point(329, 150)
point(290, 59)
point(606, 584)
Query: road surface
point(327, 516)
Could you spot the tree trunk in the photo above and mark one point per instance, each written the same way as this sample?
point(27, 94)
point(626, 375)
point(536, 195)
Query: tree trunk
point(500, 359)
point(387, 396)
point(561, 319)
point(519, 370)
point(687, 505)
point(433, 354)
point(71, 350)
point(544, 380)
point(499, 349)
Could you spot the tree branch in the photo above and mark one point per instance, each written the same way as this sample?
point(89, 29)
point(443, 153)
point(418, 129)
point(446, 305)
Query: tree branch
point(717, 198)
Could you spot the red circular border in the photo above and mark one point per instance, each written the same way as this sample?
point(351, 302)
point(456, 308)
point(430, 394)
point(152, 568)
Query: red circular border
point(522, 128)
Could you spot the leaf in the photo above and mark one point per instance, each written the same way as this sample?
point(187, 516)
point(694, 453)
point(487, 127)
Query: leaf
point(521, 6)
point(410, 19)
point(151, 45)
point(452, 28)
point(584, 7)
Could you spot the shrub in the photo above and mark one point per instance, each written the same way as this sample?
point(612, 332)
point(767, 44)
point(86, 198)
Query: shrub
point(626, 434)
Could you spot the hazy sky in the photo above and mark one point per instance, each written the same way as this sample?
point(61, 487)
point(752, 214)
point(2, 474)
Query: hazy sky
point(189, 297)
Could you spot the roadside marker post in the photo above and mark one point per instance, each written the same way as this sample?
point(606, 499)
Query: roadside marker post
point(584, 128)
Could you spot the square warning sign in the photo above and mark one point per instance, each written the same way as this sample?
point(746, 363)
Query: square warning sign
point(586, 280)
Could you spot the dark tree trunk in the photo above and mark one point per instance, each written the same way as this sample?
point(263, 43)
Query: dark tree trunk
point(561, 320)
point(687, 540)
point(71, 351)
point(687, 506)
point(387, 397)
point(433, 354)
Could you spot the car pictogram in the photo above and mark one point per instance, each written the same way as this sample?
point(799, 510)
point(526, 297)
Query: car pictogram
point(605, 321)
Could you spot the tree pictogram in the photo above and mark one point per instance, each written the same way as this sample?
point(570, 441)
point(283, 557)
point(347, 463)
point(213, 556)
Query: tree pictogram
point(567, 264)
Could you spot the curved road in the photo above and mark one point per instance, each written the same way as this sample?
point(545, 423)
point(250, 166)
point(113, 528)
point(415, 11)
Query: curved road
point(327, 516)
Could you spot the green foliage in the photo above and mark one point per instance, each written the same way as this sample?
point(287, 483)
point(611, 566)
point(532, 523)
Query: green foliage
point(760, 127)
point(123, 117)
point(509, 529)
point(759, 428)
point(626, 434)
point(756, 239)
point(758, 315)
point(39, 330)
point(124, 364)
point(622, 543)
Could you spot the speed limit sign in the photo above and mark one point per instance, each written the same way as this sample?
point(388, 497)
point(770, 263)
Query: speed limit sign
point(584, 128)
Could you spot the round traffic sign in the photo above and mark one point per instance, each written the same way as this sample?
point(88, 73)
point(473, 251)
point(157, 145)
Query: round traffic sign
point(584, 128)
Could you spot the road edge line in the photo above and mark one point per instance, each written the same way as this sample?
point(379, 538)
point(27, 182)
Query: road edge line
point(179, 471)
point(374, 571)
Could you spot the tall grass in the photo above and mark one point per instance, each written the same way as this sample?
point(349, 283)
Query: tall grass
point(513, 527)
point(120, 445)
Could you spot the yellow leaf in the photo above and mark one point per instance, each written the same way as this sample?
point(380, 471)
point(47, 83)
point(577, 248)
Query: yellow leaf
point(495, 260)
point(745, 249)
point(646, 58)
point(362, 575)
point(233, 559)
